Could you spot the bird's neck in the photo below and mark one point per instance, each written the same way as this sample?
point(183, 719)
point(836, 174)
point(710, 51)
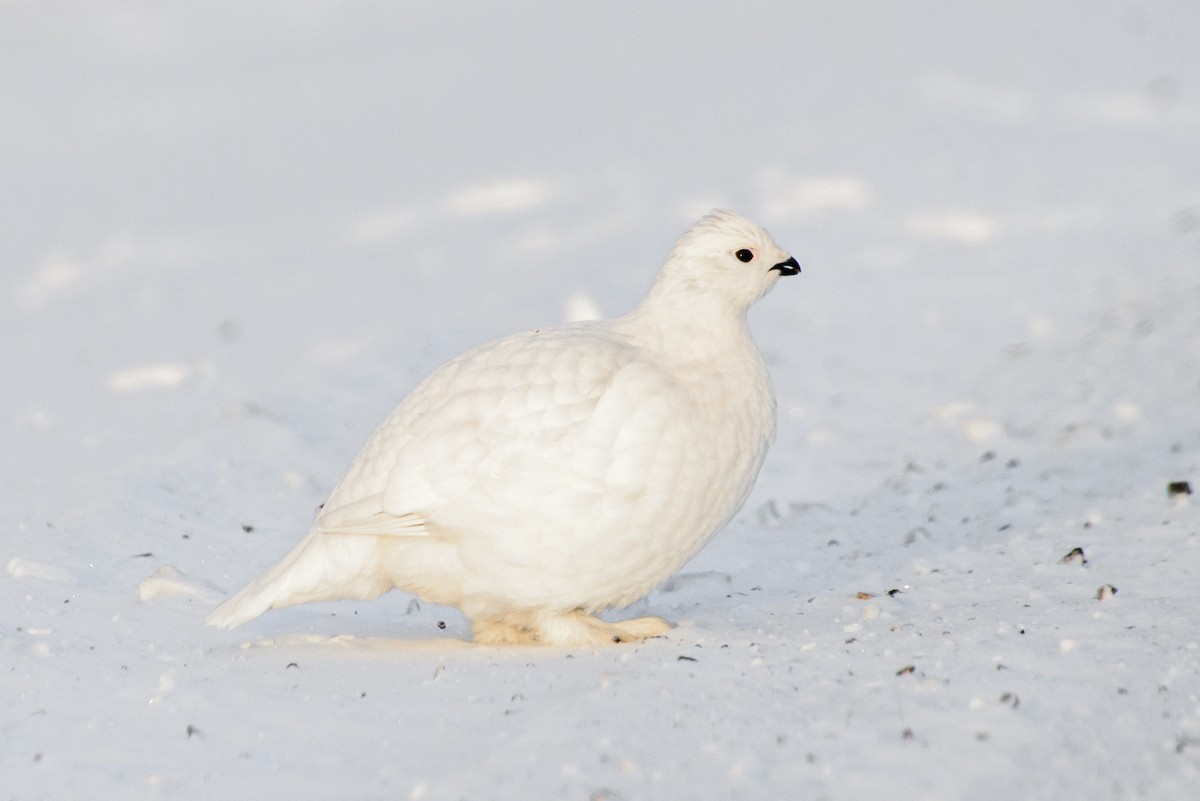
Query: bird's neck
point(689, 326)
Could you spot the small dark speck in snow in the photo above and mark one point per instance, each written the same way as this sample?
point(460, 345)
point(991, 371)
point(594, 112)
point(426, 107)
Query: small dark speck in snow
point(292, 665)
point(145, 555)
point(906, 670)
point(441, 624)
point(1176, 488)
point(682, 658)
point(1074, 555)
point(246, 527)
point(1186, 742)
point(908, 734)
point(192, 731)
point(1010, 699)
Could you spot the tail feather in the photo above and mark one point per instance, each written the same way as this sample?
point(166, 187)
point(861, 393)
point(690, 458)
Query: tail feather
point(317, 569)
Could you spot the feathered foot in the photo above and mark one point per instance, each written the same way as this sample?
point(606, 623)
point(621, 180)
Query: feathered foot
point(571, 628)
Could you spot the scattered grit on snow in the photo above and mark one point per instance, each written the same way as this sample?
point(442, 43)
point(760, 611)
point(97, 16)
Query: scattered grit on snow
point(235, 239)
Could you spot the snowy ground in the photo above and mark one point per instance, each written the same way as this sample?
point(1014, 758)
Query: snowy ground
point(236, 234)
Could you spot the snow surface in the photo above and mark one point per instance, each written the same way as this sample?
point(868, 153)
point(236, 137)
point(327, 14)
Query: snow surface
point(235, 234)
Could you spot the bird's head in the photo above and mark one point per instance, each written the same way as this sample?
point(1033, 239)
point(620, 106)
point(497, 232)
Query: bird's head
point(728, 255)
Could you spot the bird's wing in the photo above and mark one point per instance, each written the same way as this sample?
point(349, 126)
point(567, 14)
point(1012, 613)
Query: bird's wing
point(368, 516)
point(503, 425)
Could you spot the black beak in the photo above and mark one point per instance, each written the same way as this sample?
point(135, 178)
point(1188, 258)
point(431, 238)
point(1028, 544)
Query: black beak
point(789, 267)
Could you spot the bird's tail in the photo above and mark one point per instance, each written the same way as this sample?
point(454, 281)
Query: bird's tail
point(322, 567)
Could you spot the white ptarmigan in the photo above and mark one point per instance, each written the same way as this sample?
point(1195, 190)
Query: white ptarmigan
point(546, 476)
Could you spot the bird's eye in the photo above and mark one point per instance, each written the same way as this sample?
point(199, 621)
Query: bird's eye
point(744, 255)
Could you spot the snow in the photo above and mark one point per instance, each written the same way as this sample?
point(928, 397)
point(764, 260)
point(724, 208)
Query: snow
point(237, 234)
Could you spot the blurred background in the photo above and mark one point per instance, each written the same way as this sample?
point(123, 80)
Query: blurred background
point(303, 208)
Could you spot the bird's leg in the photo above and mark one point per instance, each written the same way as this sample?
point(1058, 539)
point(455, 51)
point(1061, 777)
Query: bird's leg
point(540, 627)
point(639, 628)
point(510, 629)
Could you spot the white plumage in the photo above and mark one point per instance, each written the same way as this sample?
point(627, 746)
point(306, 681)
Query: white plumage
point(543, 477)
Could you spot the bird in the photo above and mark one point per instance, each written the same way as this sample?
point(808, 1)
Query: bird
point(552, 475)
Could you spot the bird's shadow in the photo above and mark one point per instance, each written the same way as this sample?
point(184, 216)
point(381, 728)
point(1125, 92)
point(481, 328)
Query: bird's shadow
point(353, 642)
